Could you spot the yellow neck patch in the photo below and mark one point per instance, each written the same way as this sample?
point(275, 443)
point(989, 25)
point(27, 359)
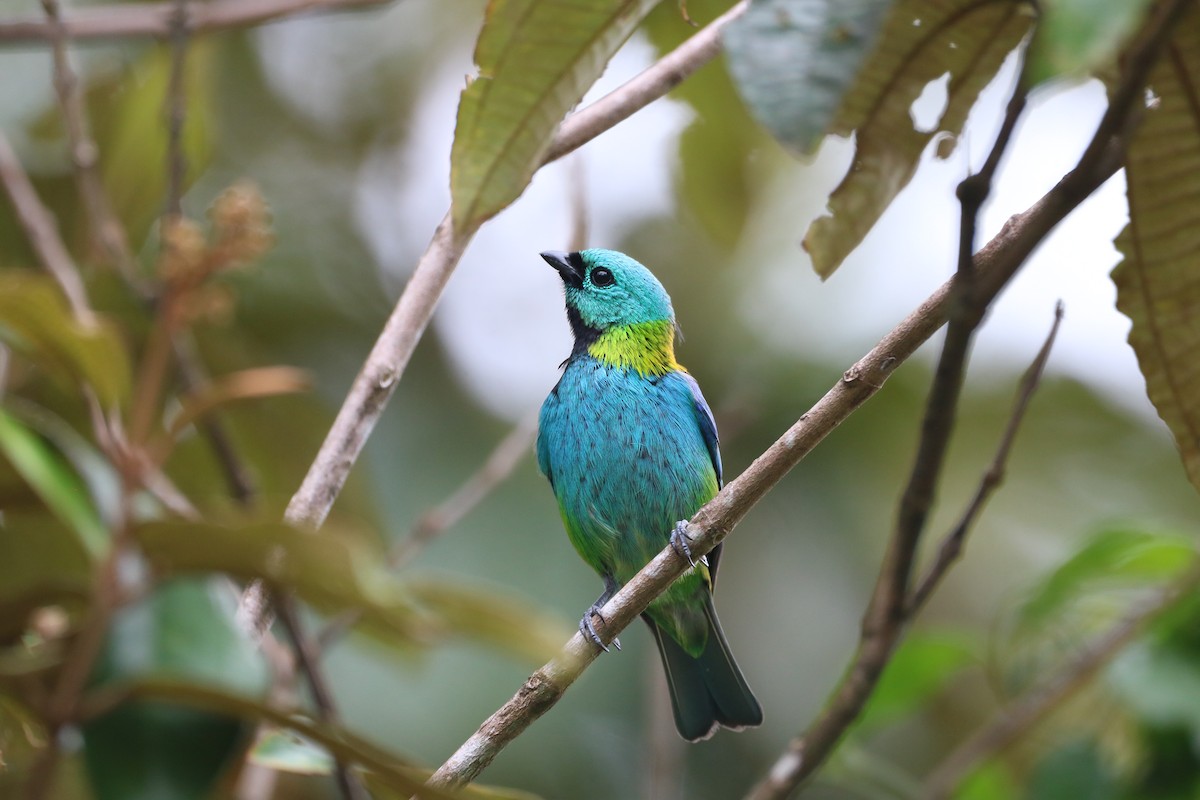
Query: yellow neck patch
point(647, 347)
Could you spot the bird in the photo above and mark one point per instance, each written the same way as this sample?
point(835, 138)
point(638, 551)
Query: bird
point(629, 446)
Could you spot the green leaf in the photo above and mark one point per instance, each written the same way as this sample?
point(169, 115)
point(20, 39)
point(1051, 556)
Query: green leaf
point(793, 60)
point(1113, 557)
point(920, 42)
point(148, 749)
point(48, 474)
point(35, 319)
point(1075, 37)
point(331, 571)
point(1156, 285)
point(919, 670)
point(536, 60)
point(285, 751)
point(492, 616)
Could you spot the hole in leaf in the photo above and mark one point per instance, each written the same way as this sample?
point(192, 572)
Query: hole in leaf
point(926, 111)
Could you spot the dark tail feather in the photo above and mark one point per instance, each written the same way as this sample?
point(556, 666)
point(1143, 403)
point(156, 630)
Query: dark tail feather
point(708, 691)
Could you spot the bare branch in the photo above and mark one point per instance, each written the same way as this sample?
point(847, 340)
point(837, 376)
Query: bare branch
point(308, 660)
point(175, 106)
point(952, 545)
point(155, 19)
point(1031, 708)
point(42, 231)
point(105, 228)
point(621, 103)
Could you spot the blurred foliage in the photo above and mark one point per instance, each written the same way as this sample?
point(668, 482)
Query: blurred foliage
point(274, 263)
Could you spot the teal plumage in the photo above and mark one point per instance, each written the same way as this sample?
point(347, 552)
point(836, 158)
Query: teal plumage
point(630, 448)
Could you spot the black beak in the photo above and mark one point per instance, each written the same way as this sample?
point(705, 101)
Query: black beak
point(569, 265)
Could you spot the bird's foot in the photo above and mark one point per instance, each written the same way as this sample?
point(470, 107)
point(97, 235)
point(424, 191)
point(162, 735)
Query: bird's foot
point(588, 628)
point(680, 539)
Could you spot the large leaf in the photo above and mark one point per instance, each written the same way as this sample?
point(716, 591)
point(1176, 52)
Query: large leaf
point(331, 571)
point(146, 749)
point(35, 318)
point(388, 769)
point(1156, 281)
point(338, 573)
point(492, 617)
point(793, 60)
point(48, 474)
point(920, 42)
point(536, 60)
point(1076, 36)
point(288, 751)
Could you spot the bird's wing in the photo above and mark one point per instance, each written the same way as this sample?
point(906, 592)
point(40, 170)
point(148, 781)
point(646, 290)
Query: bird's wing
point(708, 426)
point(708, 429)
point(543, 446)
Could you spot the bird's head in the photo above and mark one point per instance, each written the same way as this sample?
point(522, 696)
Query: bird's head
point(606, 289)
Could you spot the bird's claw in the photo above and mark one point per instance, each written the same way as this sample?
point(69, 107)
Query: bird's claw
point(588, 629)
point(680, 539)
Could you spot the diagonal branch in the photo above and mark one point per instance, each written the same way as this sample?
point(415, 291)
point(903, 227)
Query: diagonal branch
point(42, 231)
point(994, 264)
point(156, 19)
point(884, 621)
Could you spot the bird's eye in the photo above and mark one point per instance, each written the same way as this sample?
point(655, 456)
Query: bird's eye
point(602, 277)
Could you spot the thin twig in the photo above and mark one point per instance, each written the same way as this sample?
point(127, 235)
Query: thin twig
point(952, 544)
point(42, 231)
point(175, 106)
point(155, 19)
point(105, 228)
point(1026, 712)
point(193, 378)
point(309, 663)
point(995, 264)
